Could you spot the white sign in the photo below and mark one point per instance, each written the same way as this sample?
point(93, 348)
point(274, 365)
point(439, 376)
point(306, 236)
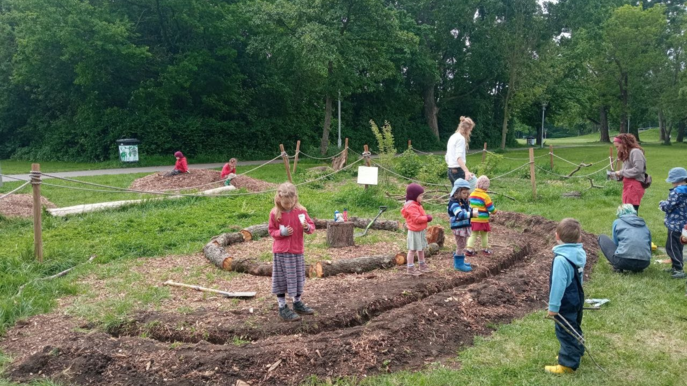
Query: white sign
point(128, 153)
point(367, 175)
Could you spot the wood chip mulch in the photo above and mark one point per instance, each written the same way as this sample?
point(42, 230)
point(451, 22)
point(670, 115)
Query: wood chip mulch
point(21, 205)
point(252, 184)
point(202, 179)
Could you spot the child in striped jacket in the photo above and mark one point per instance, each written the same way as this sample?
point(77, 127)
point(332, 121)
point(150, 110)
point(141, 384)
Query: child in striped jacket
point(460, 213)
point(480, 200)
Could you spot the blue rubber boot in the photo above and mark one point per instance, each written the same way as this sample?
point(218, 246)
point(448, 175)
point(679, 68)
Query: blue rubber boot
point(455, 264)
point(459, 264)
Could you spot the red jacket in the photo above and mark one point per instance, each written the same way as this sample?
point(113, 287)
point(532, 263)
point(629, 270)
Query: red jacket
point(227, 170)
point(289, 244)
point(414, 213)
point(181, 165)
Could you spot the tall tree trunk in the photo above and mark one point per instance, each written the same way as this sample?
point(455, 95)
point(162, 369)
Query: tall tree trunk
point(431, 110)
point(504, 126)
point(324, 144)
point(603, 124)
point(680, 131)
point(661, 126)
point(624, 99)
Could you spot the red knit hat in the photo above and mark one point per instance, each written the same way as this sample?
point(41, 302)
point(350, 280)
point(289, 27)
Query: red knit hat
point(413, 191)
point(179, 154)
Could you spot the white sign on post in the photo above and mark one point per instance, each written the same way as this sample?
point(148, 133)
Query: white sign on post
point(367, 175)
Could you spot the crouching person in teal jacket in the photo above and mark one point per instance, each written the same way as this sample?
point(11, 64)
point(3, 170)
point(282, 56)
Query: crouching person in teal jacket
point(566, 297)
point(630, 249)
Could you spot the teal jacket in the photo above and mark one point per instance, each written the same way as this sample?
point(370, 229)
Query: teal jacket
point(632, 237)
point(562, 273)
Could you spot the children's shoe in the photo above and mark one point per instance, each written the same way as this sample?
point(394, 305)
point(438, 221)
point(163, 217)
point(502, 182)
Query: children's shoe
point(302, 309)
point(470, 252)
point(558, 369)
point(487, 251)
point(678, 275)
point(424, 268)
point(413, 271)
point(670, 270)
point(459, 264)
point(287, 315)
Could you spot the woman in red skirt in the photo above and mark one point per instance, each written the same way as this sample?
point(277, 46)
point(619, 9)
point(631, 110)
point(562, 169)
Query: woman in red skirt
point(634, 168)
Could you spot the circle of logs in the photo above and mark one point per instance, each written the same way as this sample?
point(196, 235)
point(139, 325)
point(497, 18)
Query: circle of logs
point(214, 251)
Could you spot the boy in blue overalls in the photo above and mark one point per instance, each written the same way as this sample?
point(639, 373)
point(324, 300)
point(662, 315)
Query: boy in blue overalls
point(566, 297)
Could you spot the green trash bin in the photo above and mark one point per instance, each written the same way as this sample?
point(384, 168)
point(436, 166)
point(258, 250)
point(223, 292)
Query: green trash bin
point(128, 149)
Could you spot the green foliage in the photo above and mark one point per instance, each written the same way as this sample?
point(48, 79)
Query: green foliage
point(491, 162)
point(408, 164)
point(433, 170)
point(384, 137)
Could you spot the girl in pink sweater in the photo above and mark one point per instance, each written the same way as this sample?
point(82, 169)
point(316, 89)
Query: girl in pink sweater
point(288, 221)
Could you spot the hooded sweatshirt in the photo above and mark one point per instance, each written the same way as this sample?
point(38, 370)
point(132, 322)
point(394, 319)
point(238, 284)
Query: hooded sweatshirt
point(632, 237)
point(563, 273)
point(414, 213)
point(181, 165)
point(676, 208)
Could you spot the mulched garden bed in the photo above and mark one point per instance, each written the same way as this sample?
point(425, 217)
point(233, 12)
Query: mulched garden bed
point(365, 324)
point(21, 205)
point(199, 179)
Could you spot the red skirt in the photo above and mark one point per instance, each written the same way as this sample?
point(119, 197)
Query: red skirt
point(481, 227)
point(632, 191)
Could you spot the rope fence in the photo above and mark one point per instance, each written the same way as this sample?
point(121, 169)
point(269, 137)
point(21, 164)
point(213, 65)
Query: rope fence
point(15, 190)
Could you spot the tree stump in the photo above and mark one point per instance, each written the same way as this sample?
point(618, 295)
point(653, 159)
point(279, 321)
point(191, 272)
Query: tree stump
point(339, 162)
point(435, 234)
point(340, 234)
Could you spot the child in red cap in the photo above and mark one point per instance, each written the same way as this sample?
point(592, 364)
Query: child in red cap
point(180, 167)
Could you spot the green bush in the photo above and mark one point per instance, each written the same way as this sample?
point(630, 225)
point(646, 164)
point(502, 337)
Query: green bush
point(408, 164)
point(433, 169)
point(488, 166)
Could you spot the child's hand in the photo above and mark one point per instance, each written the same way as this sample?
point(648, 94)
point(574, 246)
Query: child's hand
point(306, 227)
point(289, 230)
point(429, 218)
point(475, 213)
point(552, 314)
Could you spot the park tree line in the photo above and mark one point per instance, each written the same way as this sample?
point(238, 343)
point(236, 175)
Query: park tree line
point(238, 77)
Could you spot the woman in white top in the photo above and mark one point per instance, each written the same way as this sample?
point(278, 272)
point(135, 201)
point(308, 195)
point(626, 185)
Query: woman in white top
point(456, 151)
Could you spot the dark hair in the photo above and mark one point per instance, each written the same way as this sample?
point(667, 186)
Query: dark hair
point(569, 230)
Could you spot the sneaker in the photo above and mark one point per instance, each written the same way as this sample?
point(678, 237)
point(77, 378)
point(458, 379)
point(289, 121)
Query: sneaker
point(424, 268)
point(678, 275)
point(302, 309)
point(670, 270)
point(487, 251)
point(470, 252)
point(558, 369)
point(413, 271)
point(287, 315)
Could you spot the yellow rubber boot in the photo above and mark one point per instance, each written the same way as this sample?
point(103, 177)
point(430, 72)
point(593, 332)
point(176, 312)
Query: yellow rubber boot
point(558, 369)
point(653, 246)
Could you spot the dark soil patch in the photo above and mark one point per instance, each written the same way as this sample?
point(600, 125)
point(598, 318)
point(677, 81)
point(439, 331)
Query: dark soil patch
point(365, 324)
point(21, 205)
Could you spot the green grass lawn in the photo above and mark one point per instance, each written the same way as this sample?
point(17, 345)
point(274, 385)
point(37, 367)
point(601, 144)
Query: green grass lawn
point(638, 337)
point(650, 136)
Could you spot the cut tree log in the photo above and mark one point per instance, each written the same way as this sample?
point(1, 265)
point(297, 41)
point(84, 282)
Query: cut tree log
point(432, 249)
point(339, 162)
point(384, 225)
point(255, 231)
point(340, 234)
point(248, 265)
point(435, 234)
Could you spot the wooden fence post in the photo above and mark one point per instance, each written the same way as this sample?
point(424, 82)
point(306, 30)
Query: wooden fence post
point(551, 155)
point(534, 185)
point(410, 144)
point(345, 152)
point(484, 151)
point(37, 212)
point(366, 155)
point(285, 157)
point(295, 161)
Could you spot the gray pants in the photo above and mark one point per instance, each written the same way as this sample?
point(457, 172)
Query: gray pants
point(608, 248)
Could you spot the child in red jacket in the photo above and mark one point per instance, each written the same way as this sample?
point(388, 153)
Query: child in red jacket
point(416, 222)
point(180, 167)
point(288, 221)
point(229, 171)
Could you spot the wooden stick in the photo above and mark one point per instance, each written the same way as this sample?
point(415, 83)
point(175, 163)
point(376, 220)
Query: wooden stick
point(484, 151)
point(610, 157)
point(591, 181)
point(551, 155)
point(532, 178)
point(60, 274)
point(345, 153)
point(37, 212)
point(577, 169)
point(295, 161)
point(214, 291)
point(500, 194)
point(286, 162)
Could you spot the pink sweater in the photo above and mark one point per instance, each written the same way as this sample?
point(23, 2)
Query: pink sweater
point(289, 244)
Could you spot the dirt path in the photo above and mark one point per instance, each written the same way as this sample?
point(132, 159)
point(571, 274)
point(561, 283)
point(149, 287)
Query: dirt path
point(365, 324)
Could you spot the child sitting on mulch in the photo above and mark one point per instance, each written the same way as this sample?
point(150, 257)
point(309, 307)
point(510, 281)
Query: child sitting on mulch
point(181, 165)
point(416, 222)
point(480, 200)
point(460, 213)
point(229, 171)
point(288, 221)
point(566, 297)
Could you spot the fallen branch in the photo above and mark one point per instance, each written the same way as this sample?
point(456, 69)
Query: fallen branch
point(214, 291)
point(577, 169)
point(591, 182)
point(59, 274)
point(501, 194)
